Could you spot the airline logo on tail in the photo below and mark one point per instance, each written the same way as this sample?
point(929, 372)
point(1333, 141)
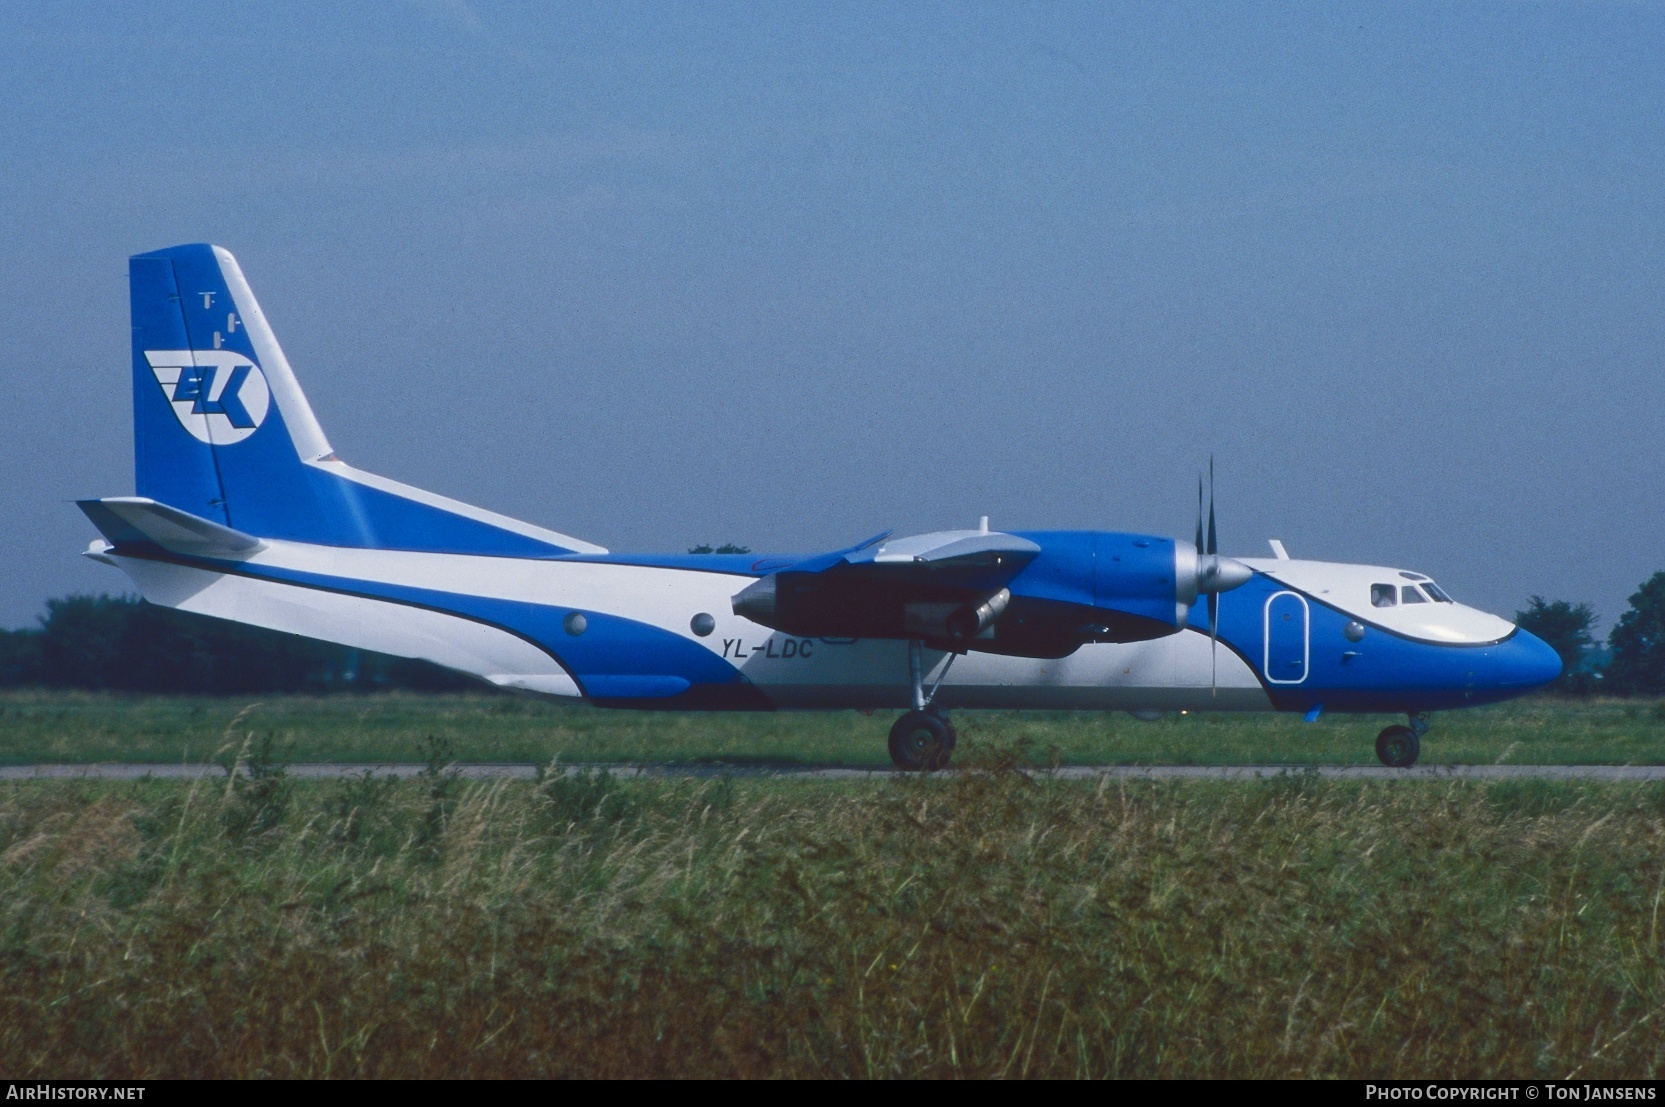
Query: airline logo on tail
point(219, 396)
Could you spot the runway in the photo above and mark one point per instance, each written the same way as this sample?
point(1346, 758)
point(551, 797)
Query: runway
point(789, 771)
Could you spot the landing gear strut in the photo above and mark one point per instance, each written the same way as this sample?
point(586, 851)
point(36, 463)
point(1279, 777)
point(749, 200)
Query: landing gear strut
point(923, 739)
point(1399, 746)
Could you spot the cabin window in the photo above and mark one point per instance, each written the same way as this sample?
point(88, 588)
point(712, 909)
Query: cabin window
point(1410, 594)
point(1437, 592)
point(1383, 595)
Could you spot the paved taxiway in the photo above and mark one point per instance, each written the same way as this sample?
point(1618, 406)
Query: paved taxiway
point(781, 771)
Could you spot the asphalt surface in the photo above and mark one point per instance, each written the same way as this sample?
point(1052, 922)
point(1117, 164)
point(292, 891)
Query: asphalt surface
point(787, 771)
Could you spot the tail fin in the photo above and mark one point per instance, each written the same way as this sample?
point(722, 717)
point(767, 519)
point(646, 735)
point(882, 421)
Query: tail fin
point(223, 431)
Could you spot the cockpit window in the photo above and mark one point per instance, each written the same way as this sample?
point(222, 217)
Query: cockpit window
point(1437, 592)
point(1412, 576)
point(1383, 595)
point(1411, 595)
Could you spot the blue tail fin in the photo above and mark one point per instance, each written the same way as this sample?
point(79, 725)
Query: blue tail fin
point(223, 431)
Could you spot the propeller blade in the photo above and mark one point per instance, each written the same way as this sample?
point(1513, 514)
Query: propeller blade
point(1199, 514)
point(1213, 545)
point(1213, 597)
point(1214, 643)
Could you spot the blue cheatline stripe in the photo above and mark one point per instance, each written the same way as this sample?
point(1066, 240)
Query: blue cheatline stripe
point(621, 658)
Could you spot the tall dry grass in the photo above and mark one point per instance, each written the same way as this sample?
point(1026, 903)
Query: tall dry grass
point(984, 924)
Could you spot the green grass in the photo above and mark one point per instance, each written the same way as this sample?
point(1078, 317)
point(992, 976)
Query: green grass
point(978, 924)
point(83, 728)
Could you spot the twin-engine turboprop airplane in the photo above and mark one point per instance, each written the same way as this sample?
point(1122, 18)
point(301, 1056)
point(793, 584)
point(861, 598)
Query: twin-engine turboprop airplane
point(244, 512)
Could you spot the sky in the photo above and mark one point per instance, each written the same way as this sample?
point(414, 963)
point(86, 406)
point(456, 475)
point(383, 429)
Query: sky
point(787, 275)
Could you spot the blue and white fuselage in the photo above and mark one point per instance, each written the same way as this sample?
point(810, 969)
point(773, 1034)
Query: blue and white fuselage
point(244, 512)
point(511, 620)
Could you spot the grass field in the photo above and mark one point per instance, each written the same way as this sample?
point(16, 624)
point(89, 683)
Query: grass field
point(977, 924)
point(985, 923)
point(83, 727)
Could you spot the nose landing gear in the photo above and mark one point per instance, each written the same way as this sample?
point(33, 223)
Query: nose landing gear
point(923, 739)
point(1399, 746)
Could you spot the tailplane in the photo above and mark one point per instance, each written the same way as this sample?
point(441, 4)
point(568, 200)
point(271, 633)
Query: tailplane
point(223, 432)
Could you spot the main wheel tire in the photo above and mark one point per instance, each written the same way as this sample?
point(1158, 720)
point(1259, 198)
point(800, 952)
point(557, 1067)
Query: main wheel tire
point(1398, 747)
point(921, 741)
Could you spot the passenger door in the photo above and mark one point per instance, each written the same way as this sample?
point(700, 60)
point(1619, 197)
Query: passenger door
point(1288, 623)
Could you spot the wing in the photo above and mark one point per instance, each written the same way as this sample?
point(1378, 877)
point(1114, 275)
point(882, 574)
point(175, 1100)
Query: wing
point(944, 587)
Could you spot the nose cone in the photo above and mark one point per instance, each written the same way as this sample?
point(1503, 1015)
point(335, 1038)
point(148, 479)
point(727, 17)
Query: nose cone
point(1526, 662)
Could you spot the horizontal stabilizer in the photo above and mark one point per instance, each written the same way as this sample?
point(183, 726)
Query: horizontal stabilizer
point(138, 521)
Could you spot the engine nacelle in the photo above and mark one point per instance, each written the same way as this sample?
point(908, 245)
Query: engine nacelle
point(1083, 586)
point(818, 605)
point(1104, 586)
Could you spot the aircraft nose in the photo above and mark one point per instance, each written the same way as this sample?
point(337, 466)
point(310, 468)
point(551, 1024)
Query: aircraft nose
point(1527, 661)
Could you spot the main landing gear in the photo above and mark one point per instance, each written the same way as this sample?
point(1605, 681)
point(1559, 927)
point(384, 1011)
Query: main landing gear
point(923, 739)
point(1399, 746)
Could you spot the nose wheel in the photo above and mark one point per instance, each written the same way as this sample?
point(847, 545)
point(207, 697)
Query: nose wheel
point(923, 739)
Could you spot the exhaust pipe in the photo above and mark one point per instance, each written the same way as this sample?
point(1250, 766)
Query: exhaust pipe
point(969, 622)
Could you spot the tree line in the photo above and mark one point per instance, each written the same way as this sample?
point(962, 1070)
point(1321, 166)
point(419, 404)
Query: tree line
point(1633, 660)
point(120, 643)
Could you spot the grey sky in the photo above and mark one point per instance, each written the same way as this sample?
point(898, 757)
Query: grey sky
point(655, 275)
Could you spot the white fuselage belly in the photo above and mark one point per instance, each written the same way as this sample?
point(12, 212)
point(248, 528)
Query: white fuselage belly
point(1165, 674)
point(1172, 673)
